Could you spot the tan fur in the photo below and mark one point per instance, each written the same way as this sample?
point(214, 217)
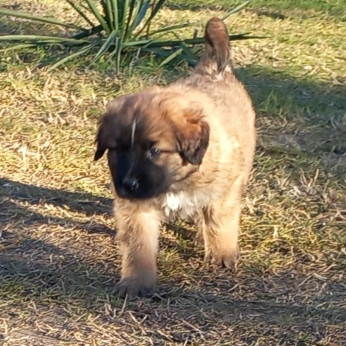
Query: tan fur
point(210, 101)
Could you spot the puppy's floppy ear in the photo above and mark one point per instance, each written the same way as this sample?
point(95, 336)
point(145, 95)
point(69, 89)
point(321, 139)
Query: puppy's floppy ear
point(101, 140)
point(192, 137)
point(109, 128)
point(107, 133)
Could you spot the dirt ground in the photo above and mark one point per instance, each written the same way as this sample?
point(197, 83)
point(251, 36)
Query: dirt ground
point(58, 257)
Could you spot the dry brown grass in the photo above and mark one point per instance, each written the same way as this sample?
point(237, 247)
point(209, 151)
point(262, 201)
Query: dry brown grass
point(58, 259)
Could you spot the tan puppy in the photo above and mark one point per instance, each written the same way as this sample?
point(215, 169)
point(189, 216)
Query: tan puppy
point(184, 150)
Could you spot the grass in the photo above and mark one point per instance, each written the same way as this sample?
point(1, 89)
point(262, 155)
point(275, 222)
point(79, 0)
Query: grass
point(58, 258)
point(276, 8)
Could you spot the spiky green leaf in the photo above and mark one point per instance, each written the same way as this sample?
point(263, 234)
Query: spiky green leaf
point(166, 29)
point(80, 12)
point(236, 9)
point(171, 57)
point(110, 40)
point(94, 10)
point(37, 19)
point(18, 46)
point(80, 52)
point(41, 39)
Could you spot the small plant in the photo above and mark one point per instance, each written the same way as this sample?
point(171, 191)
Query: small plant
point(112, 27)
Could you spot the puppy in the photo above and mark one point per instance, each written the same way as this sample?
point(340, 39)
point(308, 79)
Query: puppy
point(184, 150)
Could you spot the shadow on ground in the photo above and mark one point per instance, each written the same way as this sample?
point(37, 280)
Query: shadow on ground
point(65, 280)
point(74, 201)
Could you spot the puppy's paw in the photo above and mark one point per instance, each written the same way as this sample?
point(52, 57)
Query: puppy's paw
point(224, 259)
point(135, 287)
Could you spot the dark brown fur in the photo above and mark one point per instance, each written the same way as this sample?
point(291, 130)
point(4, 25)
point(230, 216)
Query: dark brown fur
point(185, 150)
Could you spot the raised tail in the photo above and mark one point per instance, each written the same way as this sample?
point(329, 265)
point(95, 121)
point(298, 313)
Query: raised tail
point(217, 44)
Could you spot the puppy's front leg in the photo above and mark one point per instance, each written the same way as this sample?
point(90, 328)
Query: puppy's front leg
point(138, 233)
point(221, 228)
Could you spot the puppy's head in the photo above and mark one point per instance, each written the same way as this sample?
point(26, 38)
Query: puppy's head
point(154, 140)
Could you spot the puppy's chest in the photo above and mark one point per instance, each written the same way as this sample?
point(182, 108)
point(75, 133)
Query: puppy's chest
point(182, 204)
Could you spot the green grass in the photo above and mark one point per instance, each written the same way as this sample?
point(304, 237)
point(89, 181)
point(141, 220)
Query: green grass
point(58, 259)
point(334, 8)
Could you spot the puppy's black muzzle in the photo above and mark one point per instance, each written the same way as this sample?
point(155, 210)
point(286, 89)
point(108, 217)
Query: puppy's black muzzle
point(130, 184)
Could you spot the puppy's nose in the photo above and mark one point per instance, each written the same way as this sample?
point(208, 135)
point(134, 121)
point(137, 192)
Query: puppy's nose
point(130, 184)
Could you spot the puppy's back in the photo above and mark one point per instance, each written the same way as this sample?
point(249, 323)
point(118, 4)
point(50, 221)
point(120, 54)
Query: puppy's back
point(231, 104)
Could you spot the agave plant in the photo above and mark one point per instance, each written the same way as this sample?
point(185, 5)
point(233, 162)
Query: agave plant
point(111, 28)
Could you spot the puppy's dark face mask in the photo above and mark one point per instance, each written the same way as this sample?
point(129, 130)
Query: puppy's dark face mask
point(147, 146)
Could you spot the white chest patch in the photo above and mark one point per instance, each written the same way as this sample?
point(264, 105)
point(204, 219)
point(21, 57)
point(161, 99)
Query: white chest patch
point(182, 204)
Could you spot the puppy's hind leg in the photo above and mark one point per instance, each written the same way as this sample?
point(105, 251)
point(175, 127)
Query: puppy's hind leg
point(221, 228)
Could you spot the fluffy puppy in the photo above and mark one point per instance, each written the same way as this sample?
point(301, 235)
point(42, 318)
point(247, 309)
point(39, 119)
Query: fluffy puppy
point(184, 150)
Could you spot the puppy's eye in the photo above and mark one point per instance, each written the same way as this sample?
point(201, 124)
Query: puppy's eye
point(154, 153)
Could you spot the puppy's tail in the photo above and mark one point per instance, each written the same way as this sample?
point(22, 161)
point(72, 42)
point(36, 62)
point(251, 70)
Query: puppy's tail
point(217, 44)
